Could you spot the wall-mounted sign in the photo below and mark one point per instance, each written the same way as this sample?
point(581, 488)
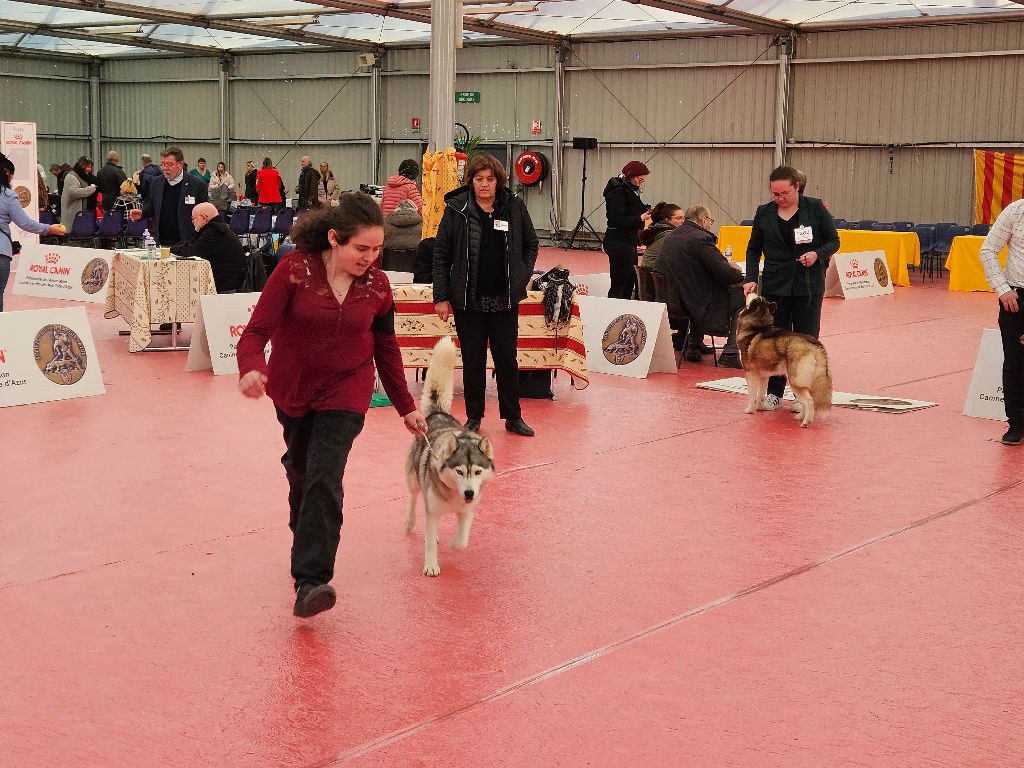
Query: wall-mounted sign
point(415, 125)
point(467, 97)
point(535, 127)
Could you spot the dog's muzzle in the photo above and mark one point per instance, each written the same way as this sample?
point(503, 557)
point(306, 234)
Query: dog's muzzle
point(468, 495)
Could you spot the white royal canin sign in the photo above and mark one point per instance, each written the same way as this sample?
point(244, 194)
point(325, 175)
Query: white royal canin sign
point(858, 275)
point(63, 272)
point(220, 321)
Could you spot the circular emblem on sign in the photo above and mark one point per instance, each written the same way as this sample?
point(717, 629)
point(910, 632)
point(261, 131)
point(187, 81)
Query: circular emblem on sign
point(624, 339)
point(60, 354)
point(881, 273)
point(94, 276)
point(24, 195)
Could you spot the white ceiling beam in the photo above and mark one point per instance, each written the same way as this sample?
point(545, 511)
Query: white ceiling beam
point(44, 30)
point(718, 13)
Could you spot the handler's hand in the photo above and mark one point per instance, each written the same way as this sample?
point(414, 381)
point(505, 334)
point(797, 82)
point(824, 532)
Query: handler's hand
point(1009, 300)
point(749, 288)
point(253, 384)
point(443, 309)
point(135, 214)
point(808, 258)
point(415, 423)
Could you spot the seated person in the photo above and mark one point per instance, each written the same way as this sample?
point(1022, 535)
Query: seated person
point(215, 242)
point(708, 286)
point(402, 228)
point(423, 267)
point(665, 217)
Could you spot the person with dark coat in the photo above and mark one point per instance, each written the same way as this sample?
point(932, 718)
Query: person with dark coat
point(109, 180)
point(172, 200)
point(307, 188)
point(150, 172)
point(797, 236)
point(402, 230)
point(626, 216)
point(250, 182)
point(215, 242)
point(710, 289)
point(484, 254)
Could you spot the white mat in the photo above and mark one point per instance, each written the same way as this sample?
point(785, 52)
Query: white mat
point(738, 386)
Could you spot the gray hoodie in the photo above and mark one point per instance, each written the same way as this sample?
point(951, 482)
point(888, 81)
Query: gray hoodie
point(403, 227)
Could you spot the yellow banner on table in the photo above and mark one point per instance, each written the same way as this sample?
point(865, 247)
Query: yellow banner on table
point(998, 181)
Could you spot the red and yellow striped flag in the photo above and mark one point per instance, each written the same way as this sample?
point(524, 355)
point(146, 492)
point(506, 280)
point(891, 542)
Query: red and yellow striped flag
point(998, 181)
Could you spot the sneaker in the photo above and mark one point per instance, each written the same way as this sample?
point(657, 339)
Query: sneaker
point(518, 427)
point(472, 425)
point(770, 402)
point(729, 361)
point(1013, 436)
point(311, 599)
point(692, 356)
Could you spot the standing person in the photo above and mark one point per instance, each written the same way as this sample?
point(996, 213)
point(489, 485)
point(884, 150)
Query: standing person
point(222, 188)
point(269, 186)
point(1008, 230)
point(306, 189)
point(402, 187)
point(200, 171)
point(797, 236)
point(150, 172)
point(77, 191)
point(626, 216)
point(665, 217)
point(109, 180)
point(171, 200)
point(250, 182)
point(11, 211)
point(328, 191)
point(330, 317)
point(484, 255)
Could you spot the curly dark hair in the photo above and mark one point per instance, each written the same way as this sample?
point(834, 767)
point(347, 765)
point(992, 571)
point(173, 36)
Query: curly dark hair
point(354, 211)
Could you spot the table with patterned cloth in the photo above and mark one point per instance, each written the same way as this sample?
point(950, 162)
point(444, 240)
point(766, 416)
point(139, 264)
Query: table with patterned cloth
point(901, 248)
point(540, 346)
point(151, 291)
point(964, 264)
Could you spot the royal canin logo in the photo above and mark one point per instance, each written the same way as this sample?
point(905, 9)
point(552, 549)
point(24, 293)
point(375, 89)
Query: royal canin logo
point(854, 264)
point(52, 258)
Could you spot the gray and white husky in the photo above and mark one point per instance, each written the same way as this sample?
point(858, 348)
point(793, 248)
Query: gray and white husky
point(450, 466)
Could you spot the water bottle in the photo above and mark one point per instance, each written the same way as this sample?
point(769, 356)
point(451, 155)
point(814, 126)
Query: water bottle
point(728, 252)
point(150, 243)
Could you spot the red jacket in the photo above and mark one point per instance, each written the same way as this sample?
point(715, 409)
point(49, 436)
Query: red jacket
point(268, 185)
point(397, 189)
point(324, 350)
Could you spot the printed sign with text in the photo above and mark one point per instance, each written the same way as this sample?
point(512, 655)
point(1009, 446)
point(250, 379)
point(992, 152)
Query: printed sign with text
point(858, 275)
point(220, 321)
point(63, 272)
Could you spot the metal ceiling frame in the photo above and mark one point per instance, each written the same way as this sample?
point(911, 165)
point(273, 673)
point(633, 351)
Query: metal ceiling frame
point(45, 30)
point(719, 13)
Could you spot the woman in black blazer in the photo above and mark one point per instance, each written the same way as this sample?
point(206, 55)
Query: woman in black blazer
point(797, 236)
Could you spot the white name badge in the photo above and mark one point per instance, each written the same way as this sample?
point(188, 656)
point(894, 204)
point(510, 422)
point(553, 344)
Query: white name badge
point(190, 200)
point(802, 235)
point(501, 226)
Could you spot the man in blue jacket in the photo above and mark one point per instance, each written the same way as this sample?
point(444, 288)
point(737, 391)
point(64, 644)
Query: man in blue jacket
point(150, 172)
point(171, 200)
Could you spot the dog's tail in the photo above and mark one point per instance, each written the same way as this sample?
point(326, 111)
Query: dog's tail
point(821, 388)
point(439, 384)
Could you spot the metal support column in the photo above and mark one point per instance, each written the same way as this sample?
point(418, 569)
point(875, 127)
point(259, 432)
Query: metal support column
point(94, 115)
point(443, 26)
point(225, 111)
point(561, 57)
point(375, 102)
point(782, 100)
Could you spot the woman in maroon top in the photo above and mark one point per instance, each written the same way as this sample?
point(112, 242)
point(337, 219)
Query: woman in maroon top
point(330, 317)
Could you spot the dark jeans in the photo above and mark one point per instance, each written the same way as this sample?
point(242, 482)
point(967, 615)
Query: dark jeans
point(317, 445)
point(501, 329)
point(5, 274)
point(799, 313)
point(1011, 328)
point(621, 268)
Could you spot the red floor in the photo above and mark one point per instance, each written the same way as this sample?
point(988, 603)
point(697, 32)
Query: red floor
point(656, 579)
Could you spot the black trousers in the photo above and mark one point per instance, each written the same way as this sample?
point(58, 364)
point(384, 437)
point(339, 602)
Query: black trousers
point(621, 268)
point(798, 313)
point(1011, 328)
point(501, 330)
point(317, 445)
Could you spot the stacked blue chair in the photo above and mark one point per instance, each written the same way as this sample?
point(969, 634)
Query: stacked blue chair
point(747, 223)
point(261, 225)
point(83, 227)
point(879, 227)
point(981, 229)
point(283, 222)
point(903, 226)
point(110, 228)
point(135, 231)
point(239, 221)
point(926, 235)
point(841, 223)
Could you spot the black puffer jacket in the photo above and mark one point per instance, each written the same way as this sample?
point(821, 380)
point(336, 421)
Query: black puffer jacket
point(624, 208)
point(458, 244)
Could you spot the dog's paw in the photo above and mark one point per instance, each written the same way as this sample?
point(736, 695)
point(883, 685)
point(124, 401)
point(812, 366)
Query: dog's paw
point(410, 523)
point(458, 543)
point(750, 409)
point(431, 570)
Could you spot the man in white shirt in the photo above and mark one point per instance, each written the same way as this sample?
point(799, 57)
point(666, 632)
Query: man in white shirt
point(1008, 284)
point(171, 200)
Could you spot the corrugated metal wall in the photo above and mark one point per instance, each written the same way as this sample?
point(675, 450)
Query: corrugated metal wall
point(852, 93)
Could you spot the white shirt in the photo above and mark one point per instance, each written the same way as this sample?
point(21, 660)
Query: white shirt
point(177, 179)
point(1008, 230)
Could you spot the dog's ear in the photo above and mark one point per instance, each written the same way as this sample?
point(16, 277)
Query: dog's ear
point(444, 445)
point(485, 448)
point(772, 306)
point(751, 297)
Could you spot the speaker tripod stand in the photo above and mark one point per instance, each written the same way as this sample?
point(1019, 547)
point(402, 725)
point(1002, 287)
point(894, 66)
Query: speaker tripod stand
point(583, 224)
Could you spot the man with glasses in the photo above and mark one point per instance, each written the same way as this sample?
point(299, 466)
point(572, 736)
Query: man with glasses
point(215, 242)
point(171, 200)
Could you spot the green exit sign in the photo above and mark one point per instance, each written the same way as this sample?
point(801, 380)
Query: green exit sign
point(467, 97)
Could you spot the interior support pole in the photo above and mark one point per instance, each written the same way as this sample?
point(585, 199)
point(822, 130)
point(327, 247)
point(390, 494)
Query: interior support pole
point(225, 110)
point(443, 26)
point(375, 102)
point(782, 100)
point(94, 114)
point(561, 57)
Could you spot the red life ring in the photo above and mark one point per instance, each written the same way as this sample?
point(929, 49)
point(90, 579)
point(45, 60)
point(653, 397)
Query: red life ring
point(531, 168)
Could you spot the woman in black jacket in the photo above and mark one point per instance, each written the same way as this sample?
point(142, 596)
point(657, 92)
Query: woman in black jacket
point(626, 216)
point(484, 255)
point(798, 237)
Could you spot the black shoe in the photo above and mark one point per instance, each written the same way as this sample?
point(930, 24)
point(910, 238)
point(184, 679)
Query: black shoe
point(170, 326)
point(473, 425)
point(519, 427)
point(706, 350)
point(729, 361)
point(1013, 436)
point(692, 356)
point(311, 599)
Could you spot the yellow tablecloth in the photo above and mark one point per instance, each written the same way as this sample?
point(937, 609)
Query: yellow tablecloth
point(901, 248)
point(540, 346)
point(147, 292)
point(964, 264)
